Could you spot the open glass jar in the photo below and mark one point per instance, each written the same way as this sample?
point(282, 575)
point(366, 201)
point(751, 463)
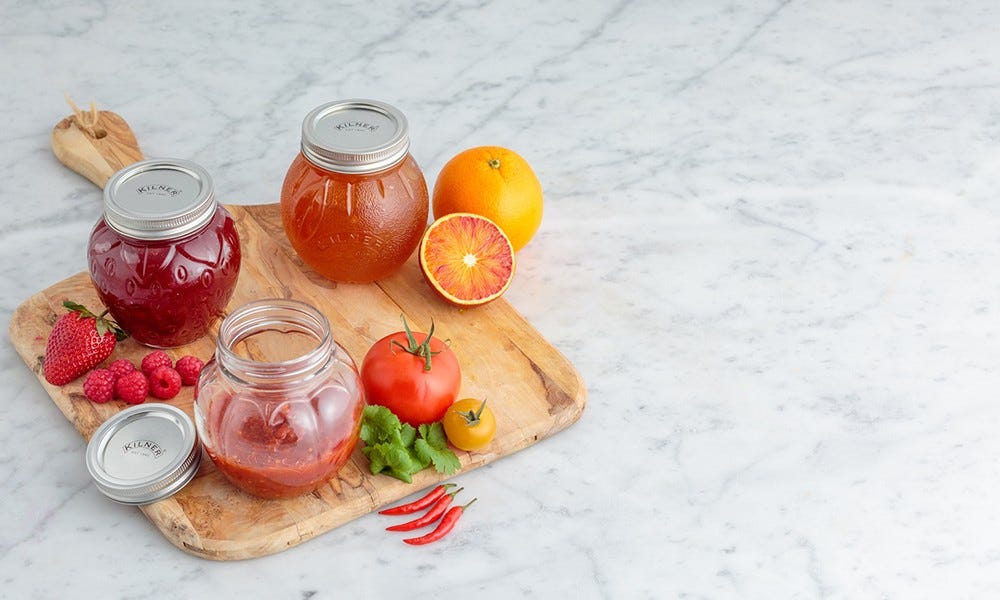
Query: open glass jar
point(354, 202)
point(279, 408)
point(165, 256)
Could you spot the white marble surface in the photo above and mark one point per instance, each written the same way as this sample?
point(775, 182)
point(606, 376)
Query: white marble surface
point(771, 247)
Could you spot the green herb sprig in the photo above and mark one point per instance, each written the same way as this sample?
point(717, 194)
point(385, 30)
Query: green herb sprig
point(400, 450)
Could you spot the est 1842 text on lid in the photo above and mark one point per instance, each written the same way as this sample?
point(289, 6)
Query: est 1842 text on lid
point(144, 453)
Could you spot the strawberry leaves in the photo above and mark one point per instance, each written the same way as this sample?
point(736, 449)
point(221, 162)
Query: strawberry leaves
point(102, 324)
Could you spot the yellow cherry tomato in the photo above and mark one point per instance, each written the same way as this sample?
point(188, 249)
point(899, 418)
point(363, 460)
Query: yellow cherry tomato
point(469, 424)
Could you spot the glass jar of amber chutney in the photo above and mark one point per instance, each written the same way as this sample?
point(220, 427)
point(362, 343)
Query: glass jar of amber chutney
point(279, 408)
point(354, 202)
point(165, 256)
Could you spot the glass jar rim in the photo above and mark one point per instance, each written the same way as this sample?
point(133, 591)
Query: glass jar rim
point(267, 314)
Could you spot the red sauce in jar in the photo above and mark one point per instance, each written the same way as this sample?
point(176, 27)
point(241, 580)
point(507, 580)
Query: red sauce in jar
point(279, 409)
point(260, 449)
point(165, 257)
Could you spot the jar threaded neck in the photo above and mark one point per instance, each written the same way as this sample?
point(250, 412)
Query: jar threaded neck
point(239, 354)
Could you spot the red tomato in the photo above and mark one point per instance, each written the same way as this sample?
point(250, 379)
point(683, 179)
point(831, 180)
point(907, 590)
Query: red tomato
point(397, 374)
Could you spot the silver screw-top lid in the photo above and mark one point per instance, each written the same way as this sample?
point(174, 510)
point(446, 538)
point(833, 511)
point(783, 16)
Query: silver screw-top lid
point(144, 453)
point(158, 199)
point(355, 136)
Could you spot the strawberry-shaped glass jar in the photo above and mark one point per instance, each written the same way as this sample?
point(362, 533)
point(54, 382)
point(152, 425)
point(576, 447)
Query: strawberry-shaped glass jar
point(279, 408)
point(165, 256)
point(354, 202)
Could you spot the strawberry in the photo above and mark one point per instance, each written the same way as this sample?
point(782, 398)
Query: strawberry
point(79, 341)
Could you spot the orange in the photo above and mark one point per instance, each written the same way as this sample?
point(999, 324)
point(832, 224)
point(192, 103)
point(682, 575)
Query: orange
point(496, 183)
point(467, 259)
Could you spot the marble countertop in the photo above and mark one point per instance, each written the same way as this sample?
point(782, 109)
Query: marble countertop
point(771, 247)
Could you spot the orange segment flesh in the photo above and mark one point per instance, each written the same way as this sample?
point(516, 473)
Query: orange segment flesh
point(467, 258)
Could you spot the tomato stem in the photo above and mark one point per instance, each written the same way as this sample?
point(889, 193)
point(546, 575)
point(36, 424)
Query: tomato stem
point(422, 350)
point(409, 334)
point(472, 418)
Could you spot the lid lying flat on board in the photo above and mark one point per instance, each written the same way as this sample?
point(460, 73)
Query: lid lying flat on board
point(159, 198)
point(144, 453)
point(355, 136)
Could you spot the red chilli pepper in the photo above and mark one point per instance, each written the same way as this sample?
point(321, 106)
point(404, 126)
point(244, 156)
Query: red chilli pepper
point(405, 509)
point(430, 516)
point(446, 525)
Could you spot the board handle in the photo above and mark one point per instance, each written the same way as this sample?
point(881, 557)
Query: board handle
point(95, 143)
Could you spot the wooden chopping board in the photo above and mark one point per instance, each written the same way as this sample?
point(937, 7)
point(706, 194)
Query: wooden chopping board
point(533, 390)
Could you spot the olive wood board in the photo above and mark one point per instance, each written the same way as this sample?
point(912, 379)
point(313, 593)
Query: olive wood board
point(532, 388)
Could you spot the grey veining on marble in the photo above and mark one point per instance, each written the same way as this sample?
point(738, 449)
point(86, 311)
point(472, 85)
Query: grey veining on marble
point(771, 247)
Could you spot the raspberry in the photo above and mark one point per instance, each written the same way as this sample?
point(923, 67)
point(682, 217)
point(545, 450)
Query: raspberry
point(132, 388)
point(164, 382)
point(156, 358)
point(189, 367)
point(99, 386)
point(121, 367)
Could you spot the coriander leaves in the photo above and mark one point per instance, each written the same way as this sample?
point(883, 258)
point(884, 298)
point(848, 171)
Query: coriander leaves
point(397, 449)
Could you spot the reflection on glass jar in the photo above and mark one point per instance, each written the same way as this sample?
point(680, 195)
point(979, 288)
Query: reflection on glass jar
point(279, 408)
point(165, 256)
point(354, 202)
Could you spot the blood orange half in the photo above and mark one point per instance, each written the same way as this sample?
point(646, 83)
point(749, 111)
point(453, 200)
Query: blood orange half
point(467, 258)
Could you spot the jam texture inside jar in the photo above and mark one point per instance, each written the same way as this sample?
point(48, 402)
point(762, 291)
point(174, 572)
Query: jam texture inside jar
point(354, 202)
point(279, 409)
point(165, 256)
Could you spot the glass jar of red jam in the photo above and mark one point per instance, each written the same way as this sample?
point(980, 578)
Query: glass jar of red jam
point(165, 256)
point(279, 408)
point(354, 203)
